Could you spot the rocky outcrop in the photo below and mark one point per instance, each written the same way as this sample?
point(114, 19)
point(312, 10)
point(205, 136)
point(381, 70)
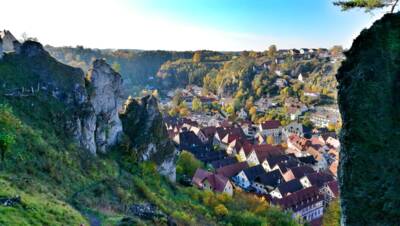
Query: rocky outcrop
point(143, 124)
point(9, 42)
point(104, 87)
point(369, 101)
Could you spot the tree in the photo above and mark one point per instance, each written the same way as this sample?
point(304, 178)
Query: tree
point(196, 104)
point(270, 140)
point(177, 99)
point(272, 50)
point(368, 5)
point(336, 50)
point(197, 57)
point(187, 164)
point(332, 214)
point(6, 140)
point(116, 67)
point(221, 210)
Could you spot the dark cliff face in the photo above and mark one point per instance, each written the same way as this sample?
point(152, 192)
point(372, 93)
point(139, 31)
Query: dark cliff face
point(369, 100)
point(142, 122)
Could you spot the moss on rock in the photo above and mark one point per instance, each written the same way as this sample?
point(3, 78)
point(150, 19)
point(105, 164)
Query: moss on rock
point(369, 100)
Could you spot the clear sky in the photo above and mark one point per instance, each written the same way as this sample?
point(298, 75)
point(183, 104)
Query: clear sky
point(185, 24)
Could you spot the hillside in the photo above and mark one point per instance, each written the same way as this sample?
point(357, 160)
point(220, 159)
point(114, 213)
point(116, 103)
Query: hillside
point(47, 112)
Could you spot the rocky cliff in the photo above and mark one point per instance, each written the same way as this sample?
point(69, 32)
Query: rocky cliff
point(143, 124)
point(104, 87)
point(369, 100)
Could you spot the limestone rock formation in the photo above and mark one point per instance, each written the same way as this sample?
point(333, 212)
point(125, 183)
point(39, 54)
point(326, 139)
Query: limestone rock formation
point(143, 124)
point(10, 43)
point(369, 100)
point(104, 87)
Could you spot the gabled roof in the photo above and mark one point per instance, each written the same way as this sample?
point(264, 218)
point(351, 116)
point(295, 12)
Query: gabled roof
point(189, 138)
point(334, 187)
point(266, 150)
point(271, 179)
point(247, 148)
point(271, 124)
point(319, 179)
point(290, 187)
point(223, 162)
point(301, 171)
point(232, 169)
point(286, 165)
point(299, 199)
point(199, 177)
point(252, 172)
point(209, 131)
point(307, 159)
point(217, 182)
point(273, 160)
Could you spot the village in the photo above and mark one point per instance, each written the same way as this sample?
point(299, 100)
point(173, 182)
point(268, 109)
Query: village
point(292, 166)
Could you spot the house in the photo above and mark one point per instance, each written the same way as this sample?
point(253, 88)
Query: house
point(247, 176)
point(323, 119)
point(233, 169)
point(265, 183)
point(284, 166)
point(270, 162)
point(296, 129)
point(286, 188)
point(309, 160)
point(311, 94)
point(333, 142)
point(281, 83)
point(280, 60)
point(213, 182)
point(333, 168)
point(306, 203)
point(300, 78)
point(242, 114)
point(297, 172)
point(322, 162)
point(207, 156)
point(261, 151)
point(272, 128)
point(245, 151)
point(318, 179)
point(223, 162)
point(188, 141)
point(330, 191)
point(248, 129)
point(298, 144)
point(304, 51)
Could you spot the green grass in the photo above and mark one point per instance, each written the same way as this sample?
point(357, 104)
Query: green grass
point(36, 209)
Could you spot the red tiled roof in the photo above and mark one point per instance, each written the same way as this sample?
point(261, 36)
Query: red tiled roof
point(301, 171)
point(199, 177)
point(247, 148)
point(266, 150)
point(334, 186)
point(233, 169)
point(217, 182)
point(271, 124)
point(300, 199)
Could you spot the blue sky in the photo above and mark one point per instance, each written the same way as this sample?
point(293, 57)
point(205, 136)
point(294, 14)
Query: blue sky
point(190, 24)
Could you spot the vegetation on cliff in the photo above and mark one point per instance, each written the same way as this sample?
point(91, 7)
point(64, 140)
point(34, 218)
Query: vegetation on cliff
point(369, 96)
